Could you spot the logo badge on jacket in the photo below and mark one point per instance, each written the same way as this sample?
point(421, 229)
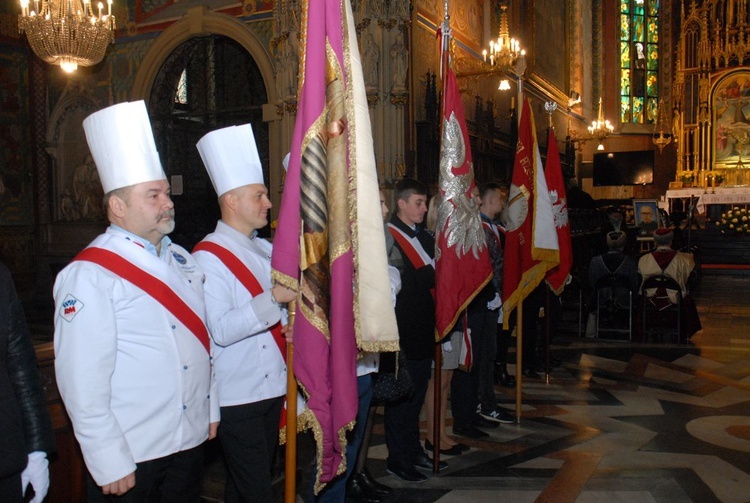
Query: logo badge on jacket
point(70, 307)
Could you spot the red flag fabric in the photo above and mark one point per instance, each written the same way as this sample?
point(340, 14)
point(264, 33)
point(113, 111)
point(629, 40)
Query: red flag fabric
point(558, 275)
point(462, 261)
point(329, 245)
point(531, 247)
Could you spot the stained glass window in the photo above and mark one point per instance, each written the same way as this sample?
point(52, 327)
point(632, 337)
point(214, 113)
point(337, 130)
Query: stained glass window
point(181, 94)
point(639, 61)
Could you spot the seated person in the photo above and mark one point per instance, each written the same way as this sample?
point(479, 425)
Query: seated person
point(613, 262)
point(676, 265)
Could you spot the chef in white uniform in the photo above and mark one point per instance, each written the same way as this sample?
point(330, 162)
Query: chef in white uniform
point(245, 316)
point(132, 351)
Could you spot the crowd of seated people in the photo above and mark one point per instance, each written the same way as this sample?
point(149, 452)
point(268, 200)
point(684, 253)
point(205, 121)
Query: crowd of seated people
point(618, 256)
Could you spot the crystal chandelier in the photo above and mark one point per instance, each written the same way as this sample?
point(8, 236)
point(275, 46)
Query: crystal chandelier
point(505, 54)
point(600, 129)
point(68, 33)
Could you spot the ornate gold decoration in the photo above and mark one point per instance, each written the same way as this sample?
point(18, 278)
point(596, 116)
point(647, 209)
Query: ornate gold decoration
point(372, 100)
point(399, 99)
point(67, 33)
point(291, 106)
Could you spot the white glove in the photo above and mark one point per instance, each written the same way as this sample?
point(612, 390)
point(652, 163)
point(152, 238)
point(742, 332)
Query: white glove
point(447, 346)
point(395, 278)
point(37, 474)
point(495, 303)
point(500, 316)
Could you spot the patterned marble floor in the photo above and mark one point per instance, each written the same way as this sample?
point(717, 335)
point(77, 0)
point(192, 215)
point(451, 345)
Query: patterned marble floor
point(617, 422)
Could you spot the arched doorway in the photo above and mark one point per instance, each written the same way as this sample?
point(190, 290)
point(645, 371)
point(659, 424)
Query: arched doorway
point(206, 83)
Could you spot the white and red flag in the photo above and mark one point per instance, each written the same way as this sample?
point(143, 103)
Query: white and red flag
point(557, 277)
point(462, 261)
point(531, 246)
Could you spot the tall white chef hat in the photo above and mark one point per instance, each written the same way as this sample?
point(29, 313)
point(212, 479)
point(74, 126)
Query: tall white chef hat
point(122, 145)
point(231, 158)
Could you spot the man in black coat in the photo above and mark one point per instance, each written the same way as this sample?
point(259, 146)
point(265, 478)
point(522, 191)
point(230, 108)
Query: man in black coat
point(413, 255)
point(26, 435)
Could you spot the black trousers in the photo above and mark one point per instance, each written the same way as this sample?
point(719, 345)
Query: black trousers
point(402, 416)
point(176, 478)
point(10, 489)
point(249, 435)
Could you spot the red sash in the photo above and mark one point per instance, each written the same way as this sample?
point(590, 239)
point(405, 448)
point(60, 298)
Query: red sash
point(248, 280)
point(153, 286)
point(407, 245)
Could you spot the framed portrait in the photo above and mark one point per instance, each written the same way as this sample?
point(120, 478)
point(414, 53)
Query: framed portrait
point(646, 216)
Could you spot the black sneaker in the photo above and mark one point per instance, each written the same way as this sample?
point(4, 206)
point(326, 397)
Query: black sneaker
point(498, 416)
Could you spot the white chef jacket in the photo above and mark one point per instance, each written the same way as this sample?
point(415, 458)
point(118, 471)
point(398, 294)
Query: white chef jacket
point(248, 364)
point(135, 381)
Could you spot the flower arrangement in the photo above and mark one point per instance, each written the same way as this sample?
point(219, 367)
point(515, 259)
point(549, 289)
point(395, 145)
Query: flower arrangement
point(735, 221)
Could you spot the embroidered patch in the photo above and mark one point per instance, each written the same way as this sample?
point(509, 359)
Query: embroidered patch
point(179, 258)
point(70, 307)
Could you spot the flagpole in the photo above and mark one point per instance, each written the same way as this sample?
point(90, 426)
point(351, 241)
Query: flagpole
point(290, 468)
point(437, 379)
point(519, 359)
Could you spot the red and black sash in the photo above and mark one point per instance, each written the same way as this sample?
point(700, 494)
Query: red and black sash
point(412, 248)
point(152, 285)
point(246, 277)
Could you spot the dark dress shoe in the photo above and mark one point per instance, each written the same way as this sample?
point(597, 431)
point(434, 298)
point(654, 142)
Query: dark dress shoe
point(405, 471)
point(502, 376)
point(357, 490)
point(469, 431)
point(424, 461)
point(456, 450)
point(366, 479)
point(530, 373)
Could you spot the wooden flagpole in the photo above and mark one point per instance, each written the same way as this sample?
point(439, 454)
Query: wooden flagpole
point(519, 359)
point(437, 379)
point(290, 467)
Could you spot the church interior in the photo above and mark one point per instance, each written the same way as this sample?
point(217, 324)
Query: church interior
point(650, 104)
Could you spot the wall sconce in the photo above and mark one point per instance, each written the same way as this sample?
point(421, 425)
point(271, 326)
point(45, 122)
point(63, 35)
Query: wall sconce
point(504, 85)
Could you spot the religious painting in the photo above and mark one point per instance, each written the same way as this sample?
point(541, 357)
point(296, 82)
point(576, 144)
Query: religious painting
point(731, 120)
point(548, 66)
point(15, 157)
point(647, 217)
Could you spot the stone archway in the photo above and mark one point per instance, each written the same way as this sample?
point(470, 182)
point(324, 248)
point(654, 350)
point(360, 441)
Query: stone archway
point(199, 21)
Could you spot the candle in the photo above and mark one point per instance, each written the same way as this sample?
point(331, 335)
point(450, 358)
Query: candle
point(109, 7)
point(713, 182)
point(100, 10)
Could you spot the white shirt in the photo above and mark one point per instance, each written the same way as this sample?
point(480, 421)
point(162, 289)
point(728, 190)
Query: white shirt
point(248, 364)
point(135, 381)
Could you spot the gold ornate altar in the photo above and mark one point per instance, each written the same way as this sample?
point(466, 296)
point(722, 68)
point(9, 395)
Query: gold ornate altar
point(711, 111)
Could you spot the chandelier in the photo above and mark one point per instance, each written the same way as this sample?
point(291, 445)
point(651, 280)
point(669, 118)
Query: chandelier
point(68, 33)
point(600, 129)
point(505, 54)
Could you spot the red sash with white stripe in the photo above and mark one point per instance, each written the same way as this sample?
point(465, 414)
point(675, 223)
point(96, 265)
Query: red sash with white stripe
point(411, 247)
point(245, 276)
point(152, 285)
